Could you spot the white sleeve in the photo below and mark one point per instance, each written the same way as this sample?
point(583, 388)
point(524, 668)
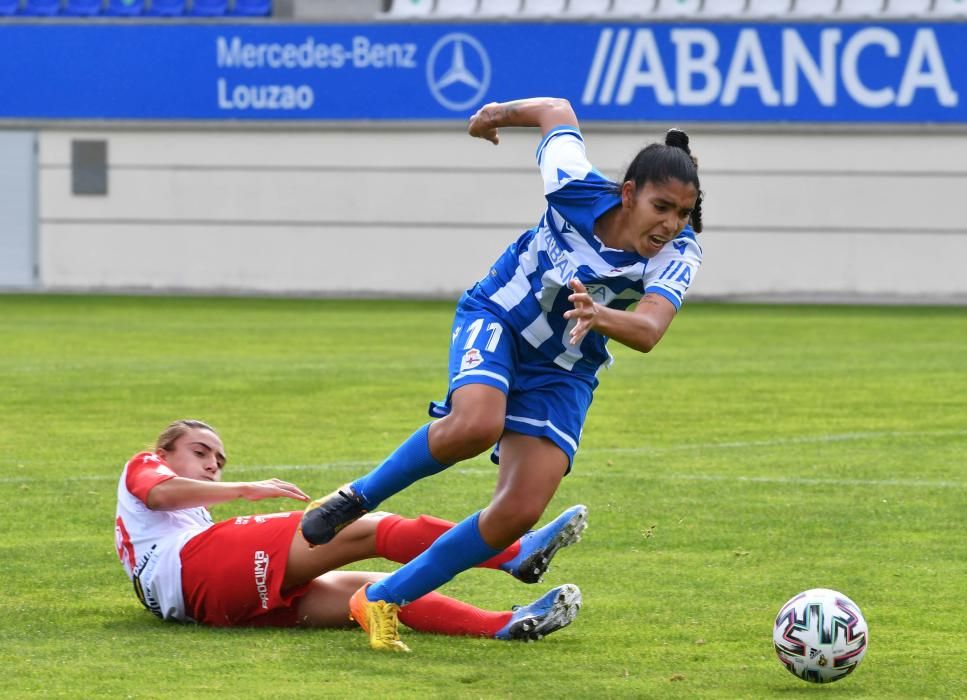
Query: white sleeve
point(562, 158)
point(672, 271)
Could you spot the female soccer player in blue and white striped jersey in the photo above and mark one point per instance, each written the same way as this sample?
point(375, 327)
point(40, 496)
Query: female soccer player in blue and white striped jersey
point(528, 341)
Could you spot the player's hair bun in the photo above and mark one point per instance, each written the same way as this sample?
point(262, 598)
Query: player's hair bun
point(678, 139)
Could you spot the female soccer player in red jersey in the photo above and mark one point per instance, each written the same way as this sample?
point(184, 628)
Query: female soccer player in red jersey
point(258, 571)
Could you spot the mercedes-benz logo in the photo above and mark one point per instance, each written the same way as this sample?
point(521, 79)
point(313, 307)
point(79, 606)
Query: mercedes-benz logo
point(463, 76)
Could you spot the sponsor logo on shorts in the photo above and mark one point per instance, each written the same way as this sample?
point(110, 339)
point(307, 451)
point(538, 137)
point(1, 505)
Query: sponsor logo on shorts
point(471, 358)
point(261, 577)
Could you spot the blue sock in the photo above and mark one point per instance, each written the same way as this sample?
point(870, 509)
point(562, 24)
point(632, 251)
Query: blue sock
point(410, 462)
point(458, 549)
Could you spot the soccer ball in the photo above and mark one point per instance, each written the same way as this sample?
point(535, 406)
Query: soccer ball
point(820, 635)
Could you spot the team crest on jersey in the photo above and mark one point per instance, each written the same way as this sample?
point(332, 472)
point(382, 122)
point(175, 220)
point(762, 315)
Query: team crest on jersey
point(471, 358)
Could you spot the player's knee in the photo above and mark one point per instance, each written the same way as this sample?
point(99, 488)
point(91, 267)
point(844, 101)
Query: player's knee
point(476, 433)
point(518, 515)
point(485, 433)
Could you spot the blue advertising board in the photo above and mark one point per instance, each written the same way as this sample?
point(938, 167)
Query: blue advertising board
point(821, 73)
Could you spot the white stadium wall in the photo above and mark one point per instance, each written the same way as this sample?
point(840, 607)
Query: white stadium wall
point(418, 211)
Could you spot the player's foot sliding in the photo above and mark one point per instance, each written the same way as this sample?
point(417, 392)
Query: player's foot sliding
point(552, 611)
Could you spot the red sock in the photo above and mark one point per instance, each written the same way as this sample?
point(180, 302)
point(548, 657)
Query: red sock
point(401, 539)
point(439, 614)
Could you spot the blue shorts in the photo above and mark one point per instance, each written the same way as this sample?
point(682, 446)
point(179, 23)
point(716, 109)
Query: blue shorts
point(543, 399)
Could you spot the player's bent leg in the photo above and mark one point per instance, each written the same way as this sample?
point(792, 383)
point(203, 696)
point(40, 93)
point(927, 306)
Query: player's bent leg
point(531, 468)
point(439, 614)
point(555, 609)
point(355, 542)
point(409, 462)
point(474, 424)
point(402, 539)
point(326, 602)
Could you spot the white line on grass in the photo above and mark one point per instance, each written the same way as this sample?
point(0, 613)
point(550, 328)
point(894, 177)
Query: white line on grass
point(921, 483)
point(777, 442)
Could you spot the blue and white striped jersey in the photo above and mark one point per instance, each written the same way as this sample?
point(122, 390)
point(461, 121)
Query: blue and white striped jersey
point(528, 285)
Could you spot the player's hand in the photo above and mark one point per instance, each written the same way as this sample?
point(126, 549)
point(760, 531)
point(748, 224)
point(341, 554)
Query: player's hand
point(585, 311)
point(482, 124)
point(273, 488)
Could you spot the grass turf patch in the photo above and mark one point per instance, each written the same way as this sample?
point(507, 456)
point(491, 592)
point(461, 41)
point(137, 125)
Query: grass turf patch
point(757, 452)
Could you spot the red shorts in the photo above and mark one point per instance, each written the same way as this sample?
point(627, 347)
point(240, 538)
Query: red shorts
point(232, 573)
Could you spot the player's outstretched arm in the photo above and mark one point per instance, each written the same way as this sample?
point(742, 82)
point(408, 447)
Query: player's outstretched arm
point(180, 492)
point(640, 329)
point(545, 112)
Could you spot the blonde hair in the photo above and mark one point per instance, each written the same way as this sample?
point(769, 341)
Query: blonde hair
point(169, 436)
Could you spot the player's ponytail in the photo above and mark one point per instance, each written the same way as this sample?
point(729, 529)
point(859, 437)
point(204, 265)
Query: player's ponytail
point(679, 139)
point(672, 160)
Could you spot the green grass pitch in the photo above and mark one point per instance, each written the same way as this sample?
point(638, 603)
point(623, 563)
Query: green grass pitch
point(757, 452)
